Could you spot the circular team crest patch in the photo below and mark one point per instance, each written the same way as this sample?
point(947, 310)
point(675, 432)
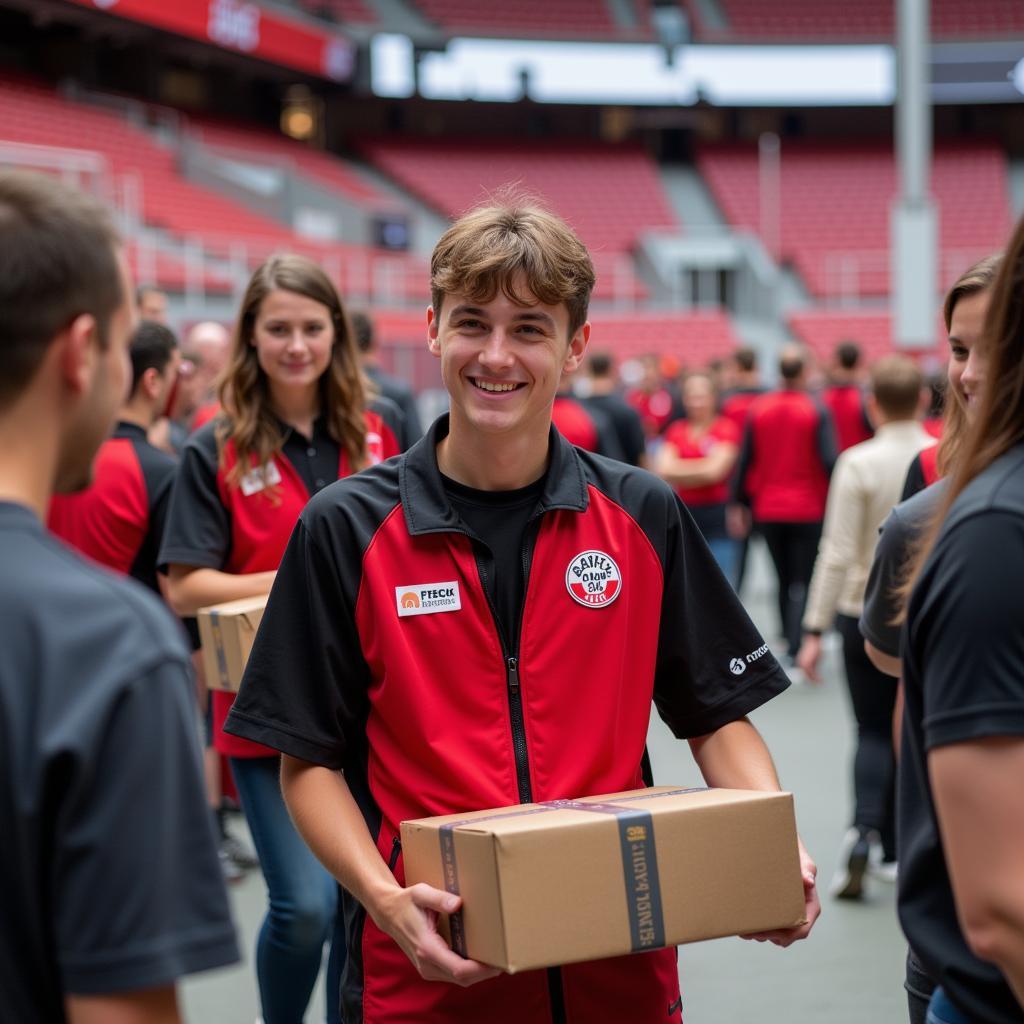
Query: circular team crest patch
point(593, 579)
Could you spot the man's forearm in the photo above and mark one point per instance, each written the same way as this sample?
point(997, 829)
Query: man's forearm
point(329, 820)
point(735, 757)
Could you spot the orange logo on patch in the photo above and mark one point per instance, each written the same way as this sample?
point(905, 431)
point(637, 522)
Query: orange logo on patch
point(410, 600)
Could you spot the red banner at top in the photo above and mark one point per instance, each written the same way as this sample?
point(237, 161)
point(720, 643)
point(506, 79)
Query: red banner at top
point(244, 27)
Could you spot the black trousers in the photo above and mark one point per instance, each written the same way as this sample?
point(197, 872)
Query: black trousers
point(873, 695)
point(793, 547)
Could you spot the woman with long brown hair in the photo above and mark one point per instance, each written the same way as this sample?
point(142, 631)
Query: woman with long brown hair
point(295, 418)
point(961, 899)
point(964, 312)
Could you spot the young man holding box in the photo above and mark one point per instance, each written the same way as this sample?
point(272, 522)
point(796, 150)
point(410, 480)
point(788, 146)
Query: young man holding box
point(484, 621)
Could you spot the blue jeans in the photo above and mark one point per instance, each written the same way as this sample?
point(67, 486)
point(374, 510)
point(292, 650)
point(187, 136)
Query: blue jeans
point(726, 552)
point(942, 1011)
point(302, 896)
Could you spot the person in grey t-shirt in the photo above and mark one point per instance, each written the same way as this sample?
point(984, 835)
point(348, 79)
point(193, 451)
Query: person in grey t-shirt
point(109, 879)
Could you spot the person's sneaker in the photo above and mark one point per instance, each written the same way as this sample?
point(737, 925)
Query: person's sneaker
point(854, 855)
point(238, 853)
point(229, 869)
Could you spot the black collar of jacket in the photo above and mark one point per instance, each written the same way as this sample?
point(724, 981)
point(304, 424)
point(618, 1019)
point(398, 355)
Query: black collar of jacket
point(426, 505)
point(124, 430)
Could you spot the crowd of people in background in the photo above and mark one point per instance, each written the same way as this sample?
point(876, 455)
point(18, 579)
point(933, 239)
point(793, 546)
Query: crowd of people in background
point(293, 396)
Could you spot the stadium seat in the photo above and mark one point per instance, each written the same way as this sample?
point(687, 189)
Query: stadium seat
point(823, 330)
point(610, 194)
point(836, 201)
point(840, 21)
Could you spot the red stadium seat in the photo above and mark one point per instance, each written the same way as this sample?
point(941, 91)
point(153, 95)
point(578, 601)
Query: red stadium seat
point(835, 207)
point(610, 194)
point(823, 330)
point(841, 21)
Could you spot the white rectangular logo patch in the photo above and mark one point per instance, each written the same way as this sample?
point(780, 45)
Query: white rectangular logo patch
point(427, 598)
point(254, 481)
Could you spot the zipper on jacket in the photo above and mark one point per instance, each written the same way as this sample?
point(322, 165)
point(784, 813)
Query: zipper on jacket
point(396, 849)
point(556, 995)
point(515, 699)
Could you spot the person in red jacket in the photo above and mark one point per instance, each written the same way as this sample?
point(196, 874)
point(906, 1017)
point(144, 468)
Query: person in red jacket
point(434, 617)
point(118, 520)
point(844, 397)
point(787, 457)
point(697, 459)
point(295, 419)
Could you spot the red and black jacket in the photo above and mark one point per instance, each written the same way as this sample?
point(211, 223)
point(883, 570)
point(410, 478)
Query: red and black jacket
point(118, 520)
point(849, 416)
point(431, 710)
point(244, 528)
point(922, 472)
point(585, 427)
point(735, 405)
point(787, 458)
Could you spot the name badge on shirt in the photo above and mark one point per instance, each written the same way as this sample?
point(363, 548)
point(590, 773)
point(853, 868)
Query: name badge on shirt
point(427, 598)
point(256, 480)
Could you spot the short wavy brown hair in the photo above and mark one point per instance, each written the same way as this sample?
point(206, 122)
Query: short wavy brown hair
point(493, 246)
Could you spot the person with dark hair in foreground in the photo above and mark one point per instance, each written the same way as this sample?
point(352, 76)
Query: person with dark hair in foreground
point(111, 888)
point(387, 706)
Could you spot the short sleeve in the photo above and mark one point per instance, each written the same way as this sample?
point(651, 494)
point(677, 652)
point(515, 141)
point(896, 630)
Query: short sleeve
point(881, 603)
point(713, 666)
point(198, 527)
point(305, 686)
point(139, 897)
point(966, 631)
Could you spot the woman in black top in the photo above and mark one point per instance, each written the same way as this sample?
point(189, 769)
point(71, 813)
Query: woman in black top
point(961, 898)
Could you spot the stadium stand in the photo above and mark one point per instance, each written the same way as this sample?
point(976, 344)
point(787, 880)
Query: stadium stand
point(259, 144)
point(838, 21)
point(823, 330)
point(543, 17)
point(187, 212)
point(835, 207)
point(353, 12)
point(610, 194)
point(693, 338)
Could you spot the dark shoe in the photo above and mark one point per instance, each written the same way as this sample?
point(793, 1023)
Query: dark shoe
point(854, 855)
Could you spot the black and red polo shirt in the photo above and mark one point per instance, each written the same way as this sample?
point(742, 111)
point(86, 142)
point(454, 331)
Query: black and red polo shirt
point(786, 459)
point(380, 654)
point(118, 520)
point(244, 528)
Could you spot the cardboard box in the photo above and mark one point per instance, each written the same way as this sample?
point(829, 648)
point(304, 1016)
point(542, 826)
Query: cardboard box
point(550, 884)
point(226, 632)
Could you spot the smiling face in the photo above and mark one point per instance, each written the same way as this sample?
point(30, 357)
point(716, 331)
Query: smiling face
point(501, 362)
point(967, 360)
point(293, 336)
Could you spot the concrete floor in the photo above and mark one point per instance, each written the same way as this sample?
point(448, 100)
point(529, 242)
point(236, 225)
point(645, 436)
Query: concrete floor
point(849, 971)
